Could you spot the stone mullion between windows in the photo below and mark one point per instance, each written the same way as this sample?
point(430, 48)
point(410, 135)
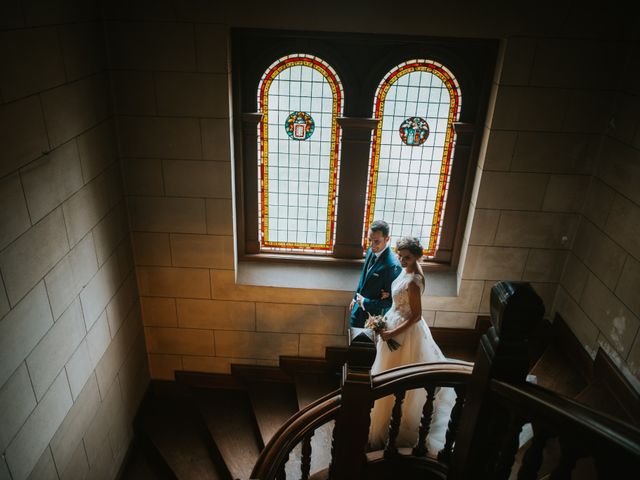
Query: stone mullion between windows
point(352, 191)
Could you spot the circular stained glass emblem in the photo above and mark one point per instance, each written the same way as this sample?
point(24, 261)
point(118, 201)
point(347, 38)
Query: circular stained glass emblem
point(299, 125)
point(414, 131)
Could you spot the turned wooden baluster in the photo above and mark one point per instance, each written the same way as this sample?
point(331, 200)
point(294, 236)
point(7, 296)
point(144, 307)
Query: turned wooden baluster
point(444, 455)
point(282, 473)
point(509, 448)
point(420, 450)
point(332, 463)
point(305, 465)
point(532, 459)
point(394, 426)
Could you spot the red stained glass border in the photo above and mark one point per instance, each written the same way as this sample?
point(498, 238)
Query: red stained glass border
point(454, 110)
point(263, 142)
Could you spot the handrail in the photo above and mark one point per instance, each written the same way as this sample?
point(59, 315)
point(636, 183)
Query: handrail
point(539, 404)
point(408, 377)
point(528, 400)
point(292, 432)
point(301, 413)
point(325, 409)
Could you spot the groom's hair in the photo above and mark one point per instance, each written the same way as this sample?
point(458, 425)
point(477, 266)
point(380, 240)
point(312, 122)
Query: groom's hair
point(380, 226)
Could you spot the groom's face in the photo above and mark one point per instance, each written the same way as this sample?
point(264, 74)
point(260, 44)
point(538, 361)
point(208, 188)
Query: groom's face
point(377, 241)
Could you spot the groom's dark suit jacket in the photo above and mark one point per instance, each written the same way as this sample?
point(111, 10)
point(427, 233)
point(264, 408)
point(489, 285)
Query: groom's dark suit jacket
point(372, 281)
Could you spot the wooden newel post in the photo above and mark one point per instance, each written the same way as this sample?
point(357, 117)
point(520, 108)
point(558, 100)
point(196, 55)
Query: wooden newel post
point(516, 310)
point(351, 430)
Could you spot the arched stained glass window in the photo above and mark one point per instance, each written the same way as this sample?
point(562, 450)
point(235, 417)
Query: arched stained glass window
point(417, 104)
point(300, 98)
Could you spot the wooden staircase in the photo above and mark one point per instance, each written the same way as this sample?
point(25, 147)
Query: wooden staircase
point(171, 433)
point(565, 368)
point(208, 426)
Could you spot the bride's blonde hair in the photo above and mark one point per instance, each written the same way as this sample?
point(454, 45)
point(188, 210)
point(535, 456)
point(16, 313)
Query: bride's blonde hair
point(412, 244)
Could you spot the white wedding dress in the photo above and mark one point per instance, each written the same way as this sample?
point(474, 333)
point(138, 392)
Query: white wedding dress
point(417, 346)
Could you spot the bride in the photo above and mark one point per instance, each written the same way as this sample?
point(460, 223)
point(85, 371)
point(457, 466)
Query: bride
point(406, 326)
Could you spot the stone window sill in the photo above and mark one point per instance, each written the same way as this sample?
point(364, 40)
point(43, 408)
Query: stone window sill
point(328, 276)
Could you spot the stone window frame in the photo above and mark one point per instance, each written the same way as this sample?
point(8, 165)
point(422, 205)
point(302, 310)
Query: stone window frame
point(361, 61)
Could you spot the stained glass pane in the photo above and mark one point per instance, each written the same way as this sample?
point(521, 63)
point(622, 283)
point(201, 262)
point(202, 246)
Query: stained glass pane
point(412, 149)
point(300, 98)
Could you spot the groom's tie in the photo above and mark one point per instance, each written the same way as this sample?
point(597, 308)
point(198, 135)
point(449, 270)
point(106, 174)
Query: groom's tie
point(372, 262)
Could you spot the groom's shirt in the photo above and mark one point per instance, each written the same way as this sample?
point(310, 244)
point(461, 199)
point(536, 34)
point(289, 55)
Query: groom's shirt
point(377, 255)
point(374, 258)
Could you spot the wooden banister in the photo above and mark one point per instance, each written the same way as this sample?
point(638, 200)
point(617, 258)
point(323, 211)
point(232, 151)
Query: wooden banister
point(582, 432)
point(565, 415)
point(307, 420)
point(298, 428)
point(419, 375)
point(516, 311)
point(493, 402)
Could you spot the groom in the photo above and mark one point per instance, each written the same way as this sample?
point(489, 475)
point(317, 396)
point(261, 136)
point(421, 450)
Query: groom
point(381, 267)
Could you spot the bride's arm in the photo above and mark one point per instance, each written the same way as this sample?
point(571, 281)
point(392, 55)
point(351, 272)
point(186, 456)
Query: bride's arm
point(415, 302)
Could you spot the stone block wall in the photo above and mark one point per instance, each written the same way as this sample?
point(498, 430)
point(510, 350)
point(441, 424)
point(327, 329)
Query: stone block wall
point(72, 355)
point(598, 293)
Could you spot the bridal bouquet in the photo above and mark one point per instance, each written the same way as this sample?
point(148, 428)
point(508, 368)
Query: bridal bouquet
point(377, 323)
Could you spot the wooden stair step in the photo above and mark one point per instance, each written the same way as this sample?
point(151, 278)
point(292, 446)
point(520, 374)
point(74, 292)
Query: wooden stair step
point(259, 373)
point(273, 404)
point(597, 396)
point(459, 353)
point(228, 417)
point(555, 372)
point(176, 432)
point(312, 386)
